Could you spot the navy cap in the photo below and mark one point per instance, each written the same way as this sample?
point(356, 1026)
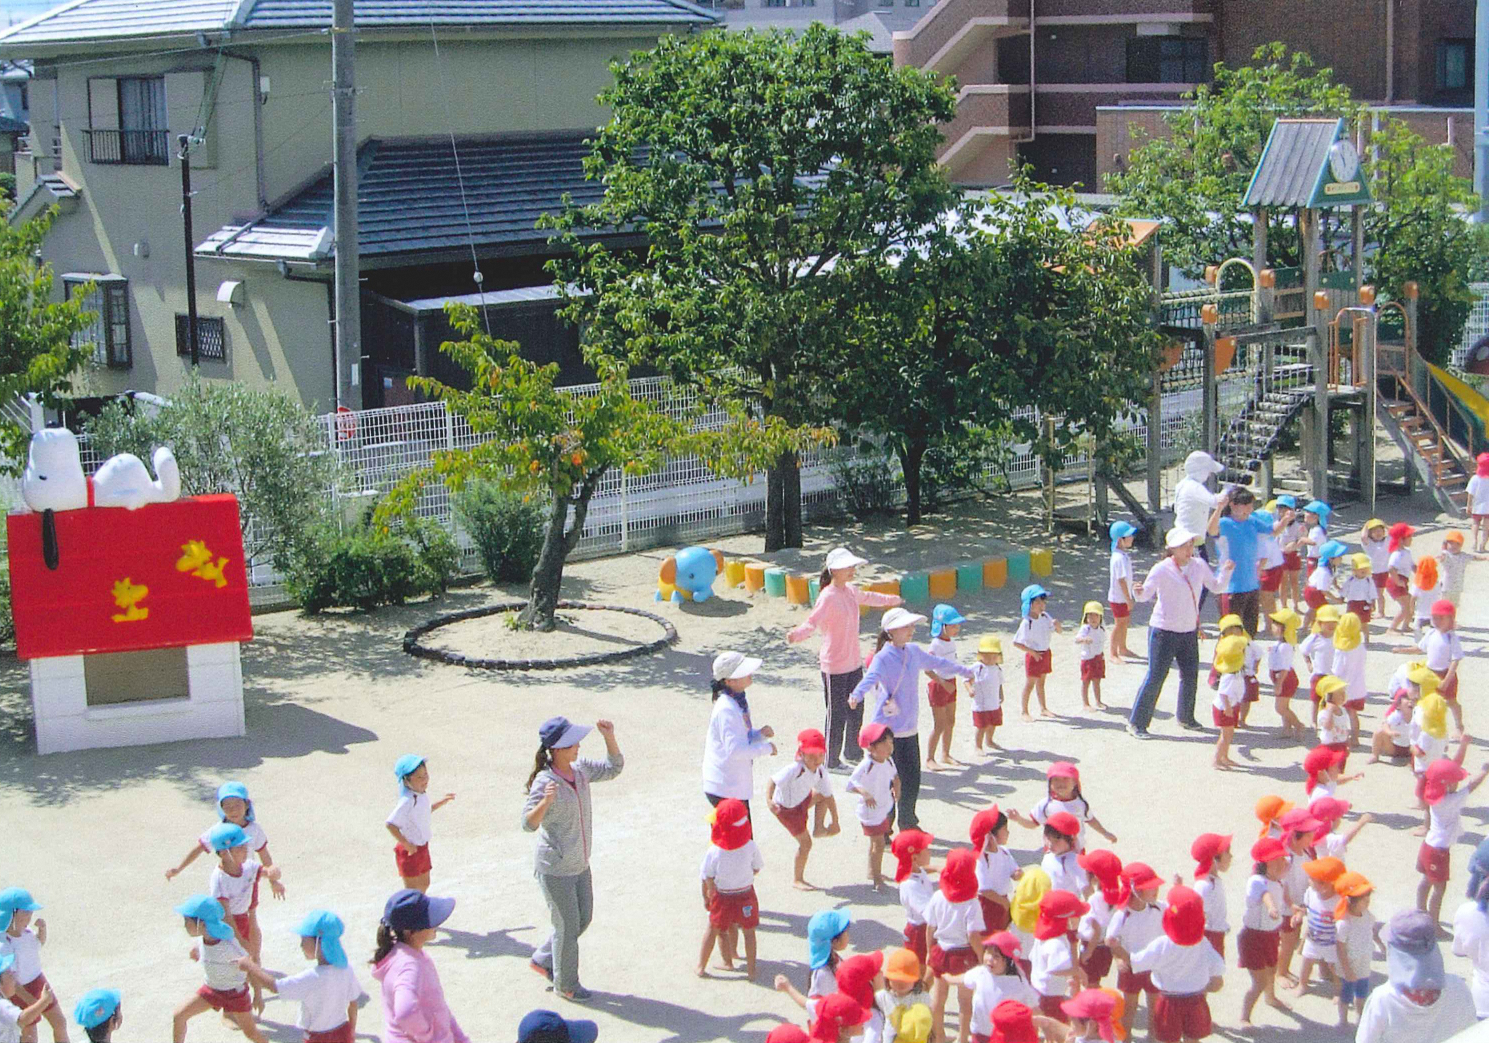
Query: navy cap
point(559, 733)
point(410, 910)
point(545, 1026)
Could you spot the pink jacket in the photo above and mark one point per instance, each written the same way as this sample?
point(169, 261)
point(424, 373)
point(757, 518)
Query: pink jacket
point(836, 615)
point(414, 1008)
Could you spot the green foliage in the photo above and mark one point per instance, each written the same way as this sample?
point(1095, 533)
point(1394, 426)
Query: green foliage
point(867, 481)
point(752, 163)
point(507, 530)
point(370, 565)
point(258, 444)
point(37, 355)
point(7, 185)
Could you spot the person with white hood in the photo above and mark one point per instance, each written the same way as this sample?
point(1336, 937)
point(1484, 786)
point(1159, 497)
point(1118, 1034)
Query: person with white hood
point(1193, 500)
point(1421, 1002)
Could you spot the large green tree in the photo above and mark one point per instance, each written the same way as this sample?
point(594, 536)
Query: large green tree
point(752, 164)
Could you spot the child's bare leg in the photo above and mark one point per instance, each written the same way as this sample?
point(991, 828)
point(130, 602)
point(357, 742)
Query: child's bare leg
point(709, 934)
point(416, 883)
point(1290, 720)
point(946, 757)
point(1434, 902)
point(1129, 1011)
point(1253, 993)
point(184, 1013)
point(937, 716)
point(803, 849)
point(938, 1009)
point(749, 947)
point(245, 1024)
point(1044, 710)
point(1028, 689)
point(1096, 691)
point(255, 947)
point(1287, 945)
point(57, 1021)
point(1305, 974)
point(1086, 694)
point(876, 861)
point(964, 1013)
point(992, 742)
point(1354, 725)
point(1457, 708)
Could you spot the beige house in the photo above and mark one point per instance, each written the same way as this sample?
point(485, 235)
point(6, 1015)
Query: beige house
point(506, 87)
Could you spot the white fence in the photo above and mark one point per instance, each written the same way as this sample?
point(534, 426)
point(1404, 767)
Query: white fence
point(1477, 326)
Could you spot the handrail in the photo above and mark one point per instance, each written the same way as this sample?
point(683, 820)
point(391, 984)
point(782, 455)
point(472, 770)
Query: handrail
point(1470, 421)
point(1444, 443)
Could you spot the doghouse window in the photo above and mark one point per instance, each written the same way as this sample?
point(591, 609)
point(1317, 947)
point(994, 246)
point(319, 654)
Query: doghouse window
point(116, 678)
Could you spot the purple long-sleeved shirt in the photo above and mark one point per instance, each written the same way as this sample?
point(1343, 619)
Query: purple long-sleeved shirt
point(897, 672)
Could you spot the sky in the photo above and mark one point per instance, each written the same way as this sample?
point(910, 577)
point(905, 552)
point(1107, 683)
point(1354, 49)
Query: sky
point(12, 11)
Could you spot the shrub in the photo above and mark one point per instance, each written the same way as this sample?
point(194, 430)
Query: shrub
point(368, 566)
point(507, 530)
point(869, 481)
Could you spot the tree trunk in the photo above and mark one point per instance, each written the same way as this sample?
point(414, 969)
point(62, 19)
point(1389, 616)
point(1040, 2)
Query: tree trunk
point(910, 460)
point(783, 503)
point(558, 543)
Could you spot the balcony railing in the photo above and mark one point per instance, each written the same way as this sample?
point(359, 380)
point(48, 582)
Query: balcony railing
point(150, 148)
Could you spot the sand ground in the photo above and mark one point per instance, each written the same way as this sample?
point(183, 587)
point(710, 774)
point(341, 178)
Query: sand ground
point(332, 702)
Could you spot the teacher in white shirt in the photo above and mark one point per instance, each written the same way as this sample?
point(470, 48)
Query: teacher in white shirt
point(733, 741)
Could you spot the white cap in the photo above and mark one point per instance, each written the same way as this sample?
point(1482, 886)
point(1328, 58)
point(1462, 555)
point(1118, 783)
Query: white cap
point(1200, 463)
point(731, 666)
point(1178, 538)
point(843, 558)
point(899, 617)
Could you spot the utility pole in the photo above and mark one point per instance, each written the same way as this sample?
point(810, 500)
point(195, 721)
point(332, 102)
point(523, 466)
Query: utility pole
point(184, 141)
point(1481, 108)
point(348, 293)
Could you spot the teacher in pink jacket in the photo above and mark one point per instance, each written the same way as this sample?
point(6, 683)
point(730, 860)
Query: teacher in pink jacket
point(414, 1007)
point(836, 616)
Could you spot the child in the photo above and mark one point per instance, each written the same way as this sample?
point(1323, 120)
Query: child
point(235, 883)
point(1269, 558)
point(1400, 566)
point(800, 788)
point(328, 992)
point(954, 929)
point(1095, 955)
point(1453, 564)
point(1429, 737)
point(1393, 738)
point(912, 852)
point(1355, 933)
point(902, 990)
point(1269, 811)
point(1323, 766)
point(1054, 971)
point(1063, 793)
point(1091, 639)
point(1284, 624)
point(1091, 1013)
point(1316, 522)
point(1331, 811)
point(1478, 502)
point(1137, 922)
point(1321, 580)
point(859, 978)
point(1230, 691)
point(827, 937)
point(987, 692)
point(24, 943)
point(878, 787)
point(1061, 860)
point(996, 869)
point(1023, 908)
point(1298, 830)
point(1374, 542)
point(1445, 794)
point(838, 1020)
point(1317, 650)
point(16, 1022)
point(1358, 589)
point(1119, 587)
point(1319, 943)
point(226, 987)
point(1183, 967)
point(1444, 651)
point(410, 822)
point(946, 624)
point(1333, 718)
point(1349, 667)
point(1293, 532)
point(413, 1001)
point(1261, 925)
point(996, 979)
point(100, 1014)
point(728, 875)
point(1211, 854)
point(1426, 584)
point(233, 806)
point(1033, 639)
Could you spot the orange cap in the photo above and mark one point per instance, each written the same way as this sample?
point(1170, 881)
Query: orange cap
point(1269, 809)
point(902, 965)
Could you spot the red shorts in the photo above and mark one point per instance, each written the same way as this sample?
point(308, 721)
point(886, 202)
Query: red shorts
point(1253, 690)
point(1313, 685)
point(1257, 950)
point(951, 961)
point(340, 1034)
point(794, 819)
point(1396, 588)
point(987, 718)
point(1292, 561)
point(1217, 939)
point(1098, 965)
point(1354, 704)
point(1226, 719)
point(994, 916)
point(1432, 862)
point(1128, 982)
point(1049, 1006)
point(1284, 685)
point(883, 829)
point(1271, 579)
point(416, 864)
point(1449, 688)
point(1361, 609)
point(243, 924)
point(734, 909)
point(1120, 609)
point(240, 1002)
point(1038, 664)
point(35, 987)
point(1180, 1017)
point(1315, 598)
point(915, 940)
point(1380, 579)
point(1093, 669)
point(1398, 751)
point(940, 693)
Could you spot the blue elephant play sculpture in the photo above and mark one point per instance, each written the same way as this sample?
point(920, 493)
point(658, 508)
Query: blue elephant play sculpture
point(689, 575)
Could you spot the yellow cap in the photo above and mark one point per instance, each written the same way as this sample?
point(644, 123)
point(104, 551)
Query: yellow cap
point(1232, 620)
point(1023, 910)
point(1347, 635)
point(1230, 653)
point(1374, 523)
point(1434, 711)
point(990, 644)
point(1271, 507)
point(1424, 677)
point(1094, 606)
point(1328, 685)
point(1290, 621)
point(912, 1024)
point(1361, 562)
point(1327, 614)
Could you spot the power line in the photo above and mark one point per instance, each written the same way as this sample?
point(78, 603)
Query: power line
point(470, 235)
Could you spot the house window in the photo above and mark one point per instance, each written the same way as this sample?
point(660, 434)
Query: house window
point(1454, 65)
point(211, 338)
point(109, 331)
point(1168, 59)
point(127, 121)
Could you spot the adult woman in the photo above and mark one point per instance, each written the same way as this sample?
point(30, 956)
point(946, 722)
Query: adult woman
point(1420, 1002)
point(414, 1007)
point(836, 615)
point(1471, 928)
point(557, 808)
point(1173, 631)
point(733, 742)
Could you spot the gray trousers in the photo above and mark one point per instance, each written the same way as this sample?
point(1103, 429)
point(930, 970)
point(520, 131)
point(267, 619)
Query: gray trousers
point(571, 904)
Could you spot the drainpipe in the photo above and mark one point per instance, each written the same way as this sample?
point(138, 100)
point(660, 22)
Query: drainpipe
point(1391, 51)
point(1033, 122)
point(260, 177)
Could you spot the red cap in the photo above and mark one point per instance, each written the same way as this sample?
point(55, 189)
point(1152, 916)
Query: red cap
point(1136, 876)
point(959, 875)
point(835, 1013)
point(1005, 942)
point(1055, 909)
point(1204, 850)
point(1266, 849)
point(1093, 1005)
point(871, 734)
point(856, 975)
point(1013, 1023)
point(731, 825)
point(1063, 770)
point(1328, 809)
point(810, 741)
point(905, 846)
point(1299, 820)
point(1441, 773)
point(1444, 607)
point(1184, 919)
point(1064, 822)
point(1106, 868)
point(1317, 761)
point(787, 1034)
point(982, 824)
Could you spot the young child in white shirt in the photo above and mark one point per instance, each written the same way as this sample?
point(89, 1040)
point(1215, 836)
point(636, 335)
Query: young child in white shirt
point(1375, 542)
point(946, 624)
point(14, 1019)
point(1281, 655)
point(1105, 870)
point(410, 820)
point(912, 852)
point(235, 883)
point(1445, 791)
point(954, 927)
point(329, 991)
point(1319, 942)
point(1137, 921)
point(1349, 667)
point(23, 938)
point(1211, 854)
point(996, 979)
point(218, 953)
point(1317, 650)
point(1061, 862)
point(1035, 630)
point(1261, 924)
point(1478, 502)
point(877, 784)
point(903, 989)
point(1331, 811)
point(1453, 563)
point(1355, 936)
point(1063, 793)
point(986, 687)
point(1358, 590)
point(996, 869)
point(1053, 964)
point(1119, 587)
point(728, 875)
point(799, 789)
point(1393, 738)
point(1183, 967)
point(1230, 692)
point(1091, 640)
point(1444, 653)
point(1401, 569)
point(233, 805)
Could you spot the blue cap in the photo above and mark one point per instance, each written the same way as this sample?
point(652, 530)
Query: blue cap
point(234, 789)
point(822, 928)
point(15, 900)
point(406, 766)
point(559, 733)
point(1331, 550)
point(225, 835)
point(96, 1007)
point(1287, 500)
point(1028, 594)
point(546, 1026)
point(327, 928)
point(944, 616)
point(1321, 509)
point(410, 910)
point(209, 911)
point(1265, 517)
point(1120, 530)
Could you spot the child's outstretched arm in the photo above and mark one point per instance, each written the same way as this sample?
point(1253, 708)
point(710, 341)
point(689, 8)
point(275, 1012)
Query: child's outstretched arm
point(257, 974)
point(191, 856)
point(1365, 820)
point(1095, 823)
point(1021, 819)
point(1462, 749)
point(40, 927)
point(441, 802)
point(1478, 780)
point(783, 984)
point(273, 873)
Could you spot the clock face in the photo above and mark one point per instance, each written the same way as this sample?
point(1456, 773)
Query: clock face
point(1344, 161)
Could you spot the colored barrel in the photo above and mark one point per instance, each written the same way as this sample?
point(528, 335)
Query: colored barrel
point(1041, 562)
point(943, 584)
point(968, 577)
point(734, 573)
point(883, 586)
point(1018, 567)
point(754, 576)
point(915, 586)
point(775, 582)
point(994, 573)
point(798, 590)
point(813, 589)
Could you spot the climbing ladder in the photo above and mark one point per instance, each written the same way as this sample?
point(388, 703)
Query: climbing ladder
point(1437, 459)
point(1277, 396)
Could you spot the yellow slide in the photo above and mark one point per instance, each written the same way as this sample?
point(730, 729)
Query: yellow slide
point(1470, 399)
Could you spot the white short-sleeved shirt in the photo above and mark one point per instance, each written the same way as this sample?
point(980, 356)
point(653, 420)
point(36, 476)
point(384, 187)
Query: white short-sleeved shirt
point(236, 891)
point(1136, 929)
point(10, 1022)
point(1333, 726)
point(1331, 845)
point(915, 891)
point(1357, 935)
point(1321, 578)
point(1120, 569)
point(1035, 633)
point(1471, 939)
point(876, 778)
point(1452, 564)
point(1431, 746)
point(1047, 958)
point(257, 838)
point(1179, 970)
point(1268, 550)
point(1212, 892)
point(1402, 561)
point(1256, 916)
point(945, 649)
point(1318, 650)
point(220, 964)
point(953, 923)
point(413, 816)
point(987, 687)
point(1424, 597)
point(824, 982)
point(1445, 820)
point(732, 871)
point(1349, 667)
point(995, 870)
point(324, 994)
point(1317, 537)
point(1094, 923)
point(1251, 659)
point(1399, 726)
point(1042, 811)
point(989, 990)
point(1441, 648)
point(1230, 692)
point(794, 784)
point(1090, 640)
point(1358, 588)
point(1295, 883)
point(26, 947)
point(1064, 873)
point(1280, 656)
point(1478, 492)
point(1379, 553)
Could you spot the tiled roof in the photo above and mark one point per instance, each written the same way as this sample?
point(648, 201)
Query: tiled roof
point(410, 207)
point(92, 20)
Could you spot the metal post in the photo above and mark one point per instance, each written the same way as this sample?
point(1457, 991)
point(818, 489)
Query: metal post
point(1367, 419)
point(1317, 448)
point(344, 161)
point(1210, 437)
point(1481, 107)
point(1357, 246)
point(191, 336)
point(625, 513)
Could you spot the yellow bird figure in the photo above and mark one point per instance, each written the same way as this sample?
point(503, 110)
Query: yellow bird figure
point(213, 572)
point(128, 595)
point(194, 554)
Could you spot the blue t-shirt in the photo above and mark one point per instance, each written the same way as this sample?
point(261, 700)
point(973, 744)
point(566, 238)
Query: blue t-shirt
point(1241, 546)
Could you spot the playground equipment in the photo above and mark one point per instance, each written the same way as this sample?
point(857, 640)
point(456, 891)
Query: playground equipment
point(689, 574)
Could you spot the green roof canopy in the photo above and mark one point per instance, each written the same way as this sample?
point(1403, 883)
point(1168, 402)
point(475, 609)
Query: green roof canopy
point(1308, 163)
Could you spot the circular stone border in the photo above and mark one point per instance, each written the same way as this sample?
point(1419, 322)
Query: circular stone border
point(412, 646)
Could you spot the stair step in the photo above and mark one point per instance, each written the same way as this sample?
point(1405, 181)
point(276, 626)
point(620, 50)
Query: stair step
point(1452, 479)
